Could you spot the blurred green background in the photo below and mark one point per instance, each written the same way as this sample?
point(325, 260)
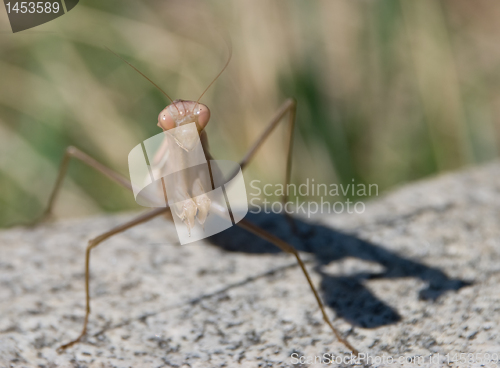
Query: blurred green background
point(388, 91)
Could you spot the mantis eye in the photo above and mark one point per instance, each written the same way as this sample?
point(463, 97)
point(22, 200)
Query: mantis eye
point(203, 116)
point(165, 120)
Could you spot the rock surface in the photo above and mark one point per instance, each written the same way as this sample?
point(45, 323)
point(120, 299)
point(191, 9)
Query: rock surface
point(414, 276)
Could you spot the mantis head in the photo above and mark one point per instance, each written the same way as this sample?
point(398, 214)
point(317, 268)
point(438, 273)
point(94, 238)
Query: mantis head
point(181, 114)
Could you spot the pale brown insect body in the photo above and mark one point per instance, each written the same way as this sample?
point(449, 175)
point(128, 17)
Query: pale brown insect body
point(190, 198)
point(191, 203)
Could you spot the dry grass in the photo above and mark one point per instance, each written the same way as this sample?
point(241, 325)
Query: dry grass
point(388, 91)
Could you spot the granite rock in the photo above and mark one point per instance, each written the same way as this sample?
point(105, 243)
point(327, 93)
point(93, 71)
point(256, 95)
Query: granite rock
point(412, 277)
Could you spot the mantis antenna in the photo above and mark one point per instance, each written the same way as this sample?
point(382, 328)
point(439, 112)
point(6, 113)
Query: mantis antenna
point(141, 73)
point(230, 48)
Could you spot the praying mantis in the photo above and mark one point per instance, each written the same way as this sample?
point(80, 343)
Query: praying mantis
point(193, 204)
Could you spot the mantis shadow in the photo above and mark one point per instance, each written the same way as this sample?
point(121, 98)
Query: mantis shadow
point(347, 295)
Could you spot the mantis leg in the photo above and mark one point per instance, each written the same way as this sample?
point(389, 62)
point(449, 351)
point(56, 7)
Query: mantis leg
point(288, 107)
point(285, 247)
point(73, 152)
point(94, 243)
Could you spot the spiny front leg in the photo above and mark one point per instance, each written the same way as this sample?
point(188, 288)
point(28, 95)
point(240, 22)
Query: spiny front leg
point(198, 206)
point(185, 209)
point(202, 201)
point(182, 203)
point(195, 204)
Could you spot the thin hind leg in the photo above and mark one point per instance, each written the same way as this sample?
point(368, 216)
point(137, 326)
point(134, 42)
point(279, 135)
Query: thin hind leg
point(284, 246)
point(287, 109)
point(94, 243)
point(73, 152)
